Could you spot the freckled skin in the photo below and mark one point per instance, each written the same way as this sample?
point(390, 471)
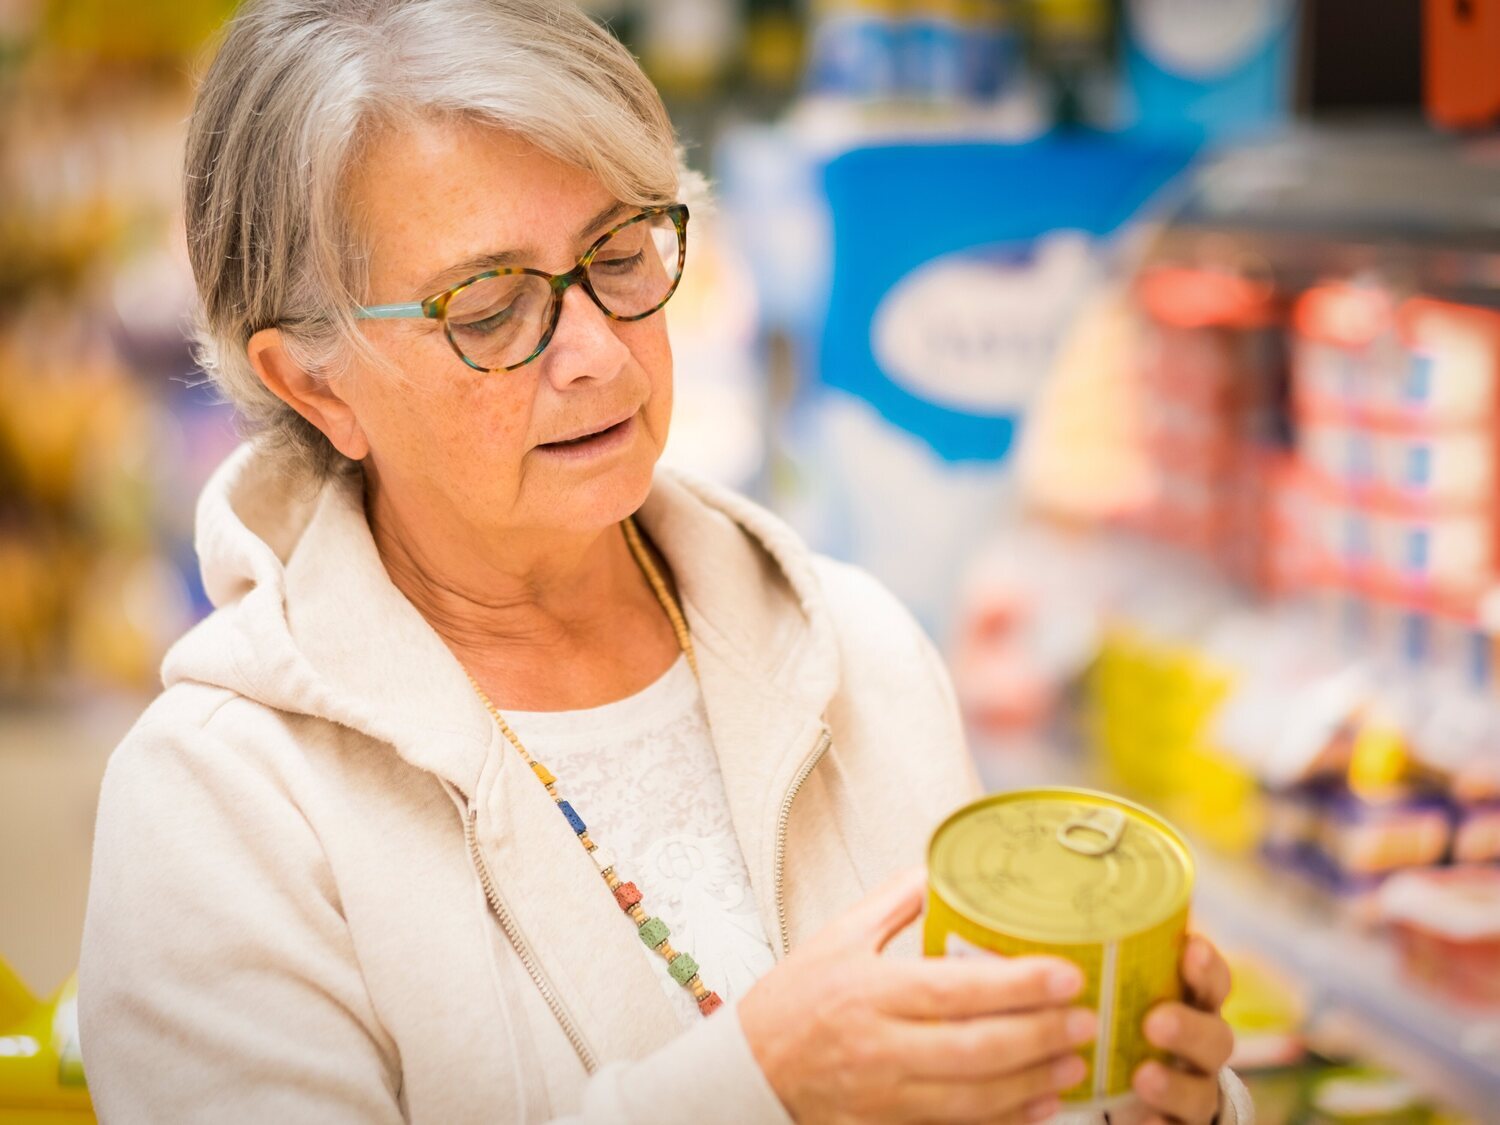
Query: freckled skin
point(447, 442)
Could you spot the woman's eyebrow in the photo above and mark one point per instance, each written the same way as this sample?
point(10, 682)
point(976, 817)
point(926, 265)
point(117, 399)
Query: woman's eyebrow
point(614, 211)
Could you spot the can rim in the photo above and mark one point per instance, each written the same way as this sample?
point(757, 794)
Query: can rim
point(939, 886)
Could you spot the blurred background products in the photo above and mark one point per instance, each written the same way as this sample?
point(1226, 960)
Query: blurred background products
point(102, 435)
point(1148, 349)
point(1461, 43)
point(41, 1067)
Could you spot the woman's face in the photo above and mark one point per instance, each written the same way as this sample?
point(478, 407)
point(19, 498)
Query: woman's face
point(429, 200)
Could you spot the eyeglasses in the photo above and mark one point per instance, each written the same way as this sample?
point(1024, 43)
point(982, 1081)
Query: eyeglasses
point(502, 319)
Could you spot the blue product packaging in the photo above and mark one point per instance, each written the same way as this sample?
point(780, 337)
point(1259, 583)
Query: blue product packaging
point(854, 54)
point(1209, 68)
point(957, 271)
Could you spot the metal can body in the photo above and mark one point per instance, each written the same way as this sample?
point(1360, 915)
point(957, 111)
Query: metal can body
point(1075, 874)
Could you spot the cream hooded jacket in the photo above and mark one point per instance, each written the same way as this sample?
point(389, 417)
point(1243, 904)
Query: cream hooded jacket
point(326, 890)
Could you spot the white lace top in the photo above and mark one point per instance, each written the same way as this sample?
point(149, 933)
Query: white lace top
point(643, 776)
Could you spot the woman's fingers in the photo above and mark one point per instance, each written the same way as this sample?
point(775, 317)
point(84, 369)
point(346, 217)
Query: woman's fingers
point(984, 1100)
point(872, 922)
point(961, 1038)
point(1199, 1039)
point(1189, 1098)
point(1042, 1109)
point(1206, 974)
point(1032, 1113)
point(990, 1047)
point(965, 987)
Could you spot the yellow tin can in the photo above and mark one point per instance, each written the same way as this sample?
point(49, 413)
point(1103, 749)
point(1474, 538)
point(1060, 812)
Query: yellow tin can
point(1075, 874)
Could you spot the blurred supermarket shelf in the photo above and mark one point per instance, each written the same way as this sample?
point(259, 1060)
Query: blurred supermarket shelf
point(1420, 207)
point(51, 763)
point(1353, 977)
point(1349, 979)
point(1339, 181)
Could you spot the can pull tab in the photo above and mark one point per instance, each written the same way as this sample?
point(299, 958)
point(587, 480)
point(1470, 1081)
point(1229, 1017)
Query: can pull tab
point(1095, 832)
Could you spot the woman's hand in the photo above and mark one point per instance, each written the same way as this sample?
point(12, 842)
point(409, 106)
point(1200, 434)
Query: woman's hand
point(845, 1035)
point(1196, 1036)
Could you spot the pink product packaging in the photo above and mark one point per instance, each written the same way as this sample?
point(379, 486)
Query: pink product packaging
point(1415, 467)
point(1451, 551)
point(1439, 467)
point(1330, 374)
point(1446, 923)
point(1340, 452)
point(1453, 371)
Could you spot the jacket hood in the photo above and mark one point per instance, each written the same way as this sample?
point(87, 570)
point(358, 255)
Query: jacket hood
point(307, 621)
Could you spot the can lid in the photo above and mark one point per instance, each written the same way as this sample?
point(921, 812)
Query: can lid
point(1061, 866)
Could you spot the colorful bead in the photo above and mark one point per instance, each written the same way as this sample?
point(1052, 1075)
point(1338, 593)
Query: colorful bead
point(683, 968)
point(627, 895)
point(543, 773)
point(710, 1004)
point(604, 859)
point(653, 932)
point(573, 819)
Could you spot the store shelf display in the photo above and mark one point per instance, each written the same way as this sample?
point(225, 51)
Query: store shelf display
point(1378, 745)
point(1352, 980)
point(1299, 1071)
point(1317, 997)
point(1297, 619)
point(103, 437)
point(41, 1066)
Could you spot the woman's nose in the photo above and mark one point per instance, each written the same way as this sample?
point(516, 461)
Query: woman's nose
point(585, 344)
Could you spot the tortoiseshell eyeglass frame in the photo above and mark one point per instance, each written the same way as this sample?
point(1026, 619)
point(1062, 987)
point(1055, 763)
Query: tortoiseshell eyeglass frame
point(436, 306)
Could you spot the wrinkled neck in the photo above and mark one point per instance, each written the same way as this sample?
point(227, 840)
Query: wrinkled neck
point(485, 588)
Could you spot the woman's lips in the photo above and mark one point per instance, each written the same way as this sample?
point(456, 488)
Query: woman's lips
point(594, 445)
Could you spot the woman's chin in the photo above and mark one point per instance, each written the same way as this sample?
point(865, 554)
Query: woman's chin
point(596, 500)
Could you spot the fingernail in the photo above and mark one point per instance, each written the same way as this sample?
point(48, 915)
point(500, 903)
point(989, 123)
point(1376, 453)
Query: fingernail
point(1198, 955)
point(1040, 1111)
point(1162, 1029)
point(1069, 1071)
point(1065, 982)
point(1082, 1025)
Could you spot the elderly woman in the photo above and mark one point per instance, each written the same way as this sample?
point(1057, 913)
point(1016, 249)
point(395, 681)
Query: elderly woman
point(514, 778)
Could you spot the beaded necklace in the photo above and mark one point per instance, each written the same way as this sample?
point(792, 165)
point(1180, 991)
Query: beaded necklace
point(652, 930)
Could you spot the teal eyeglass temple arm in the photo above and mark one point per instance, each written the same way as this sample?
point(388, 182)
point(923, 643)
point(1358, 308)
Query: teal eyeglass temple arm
point(389, 312)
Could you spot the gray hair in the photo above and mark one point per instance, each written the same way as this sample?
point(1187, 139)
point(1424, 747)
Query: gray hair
point(293, 90)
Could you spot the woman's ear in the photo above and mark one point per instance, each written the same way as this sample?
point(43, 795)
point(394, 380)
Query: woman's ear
point(313, 398)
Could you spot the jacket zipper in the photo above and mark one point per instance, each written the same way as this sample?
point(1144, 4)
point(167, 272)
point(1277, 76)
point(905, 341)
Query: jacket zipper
point(825, 739)
point(507, 923)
